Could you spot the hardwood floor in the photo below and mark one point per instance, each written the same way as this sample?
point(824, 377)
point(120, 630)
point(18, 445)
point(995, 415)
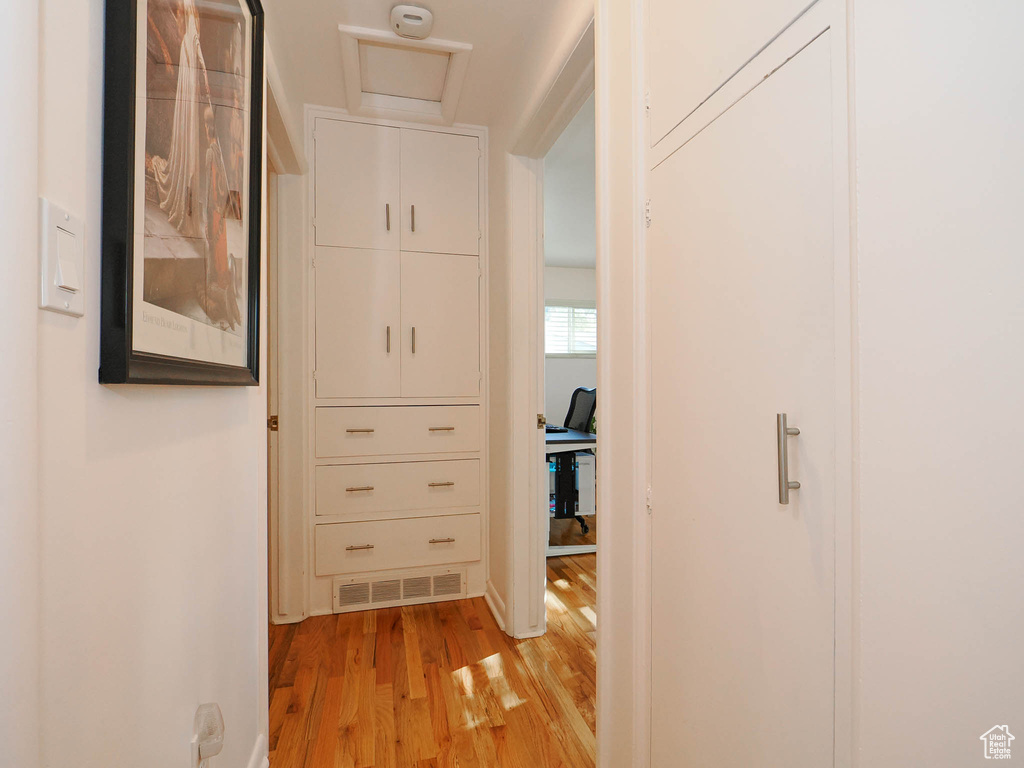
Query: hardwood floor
point(568, 533)
point(439, 685)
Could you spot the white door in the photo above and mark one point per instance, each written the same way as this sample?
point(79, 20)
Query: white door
point(742, 280)
point(357, 185)
point(440, 192)
point(441, 325)
point(696, 46)
point(357, 323)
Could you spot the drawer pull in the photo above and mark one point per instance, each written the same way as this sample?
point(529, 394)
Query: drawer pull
point(442, 429)
point(442, 541)
point(355, 548)
point(359, 431)
point(440, 485)
point(359, 488)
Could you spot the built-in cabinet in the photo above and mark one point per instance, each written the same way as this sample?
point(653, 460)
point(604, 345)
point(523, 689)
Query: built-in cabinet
point(392, 324)
point(397, 471)
point(396, 188)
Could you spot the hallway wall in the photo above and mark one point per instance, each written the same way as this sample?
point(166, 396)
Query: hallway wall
point(153, 506)
point(941, 418)
point(19, 508)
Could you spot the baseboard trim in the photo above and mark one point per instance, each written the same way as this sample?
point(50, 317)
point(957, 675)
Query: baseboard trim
point(496, 604)
point(259, 757)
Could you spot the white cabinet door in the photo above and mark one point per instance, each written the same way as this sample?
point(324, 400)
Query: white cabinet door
point(696, 46)
point(440, 325)
point(742, 263)
point(357, 323)
point(357, 185)
point(440, 192)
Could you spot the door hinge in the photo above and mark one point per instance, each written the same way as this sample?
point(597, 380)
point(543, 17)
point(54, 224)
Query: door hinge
point(273, 423)
point(650, 500)
point(647, 213)
point(541, 421)
point(314, 374)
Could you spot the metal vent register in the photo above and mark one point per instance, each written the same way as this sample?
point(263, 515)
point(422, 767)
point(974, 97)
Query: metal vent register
point(380, 590)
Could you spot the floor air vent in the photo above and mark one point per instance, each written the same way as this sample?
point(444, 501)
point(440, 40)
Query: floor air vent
point(448, 584)
point(350, 596)
point(416, 587)
point(386, 591)
point(381, 590)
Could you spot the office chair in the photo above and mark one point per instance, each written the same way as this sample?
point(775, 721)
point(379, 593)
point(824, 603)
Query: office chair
point(580, 416)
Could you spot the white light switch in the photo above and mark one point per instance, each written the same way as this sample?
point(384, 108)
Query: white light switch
point(61, 261)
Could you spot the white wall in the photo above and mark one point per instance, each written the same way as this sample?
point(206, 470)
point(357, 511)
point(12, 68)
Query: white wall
point(153, 503)
point(939, 163)
point(562, 375)
point(570, 205)
point(19, 535)
point(622, 600)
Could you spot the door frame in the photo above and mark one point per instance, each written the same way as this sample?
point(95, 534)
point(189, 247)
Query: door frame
point(568, 89)
point(834, 16)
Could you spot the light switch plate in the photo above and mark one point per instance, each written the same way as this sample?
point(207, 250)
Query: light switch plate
point(61, 260)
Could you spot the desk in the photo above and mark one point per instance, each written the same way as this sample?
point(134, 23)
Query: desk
point(565, 442)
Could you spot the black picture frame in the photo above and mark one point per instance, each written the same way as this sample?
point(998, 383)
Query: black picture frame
point(120, 363)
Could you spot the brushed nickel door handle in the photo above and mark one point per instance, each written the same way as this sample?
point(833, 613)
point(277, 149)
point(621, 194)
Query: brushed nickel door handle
point(441, 485)
point(355, 548)
point(442, 541)
point(784, 431)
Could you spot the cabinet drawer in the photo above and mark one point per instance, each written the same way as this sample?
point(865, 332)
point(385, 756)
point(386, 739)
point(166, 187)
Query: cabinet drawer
point(390, 544)
point(359, 490)
point(393, 430)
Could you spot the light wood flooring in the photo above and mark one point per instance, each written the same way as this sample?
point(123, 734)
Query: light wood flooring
point(567, 532)
point(439, 685)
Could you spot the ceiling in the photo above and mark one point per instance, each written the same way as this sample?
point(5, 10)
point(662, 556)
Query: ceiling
point(306, 43)
point(570, 195)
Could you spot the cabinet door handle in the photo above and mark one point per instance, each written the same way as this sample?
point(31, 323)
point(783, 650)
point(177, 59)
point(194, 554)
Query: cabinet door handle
point(440, 485)
point(359, 431)
point(387, 215)
point(442, 541)
point(355, 548)
point(441, 429)
point(784, 431)
point(414, 339)
point(356, 488)
point(389, 339)
point(412, 215)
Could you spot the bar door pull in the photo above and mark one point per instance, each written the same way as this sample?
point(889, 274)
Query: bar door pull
point(784, 431)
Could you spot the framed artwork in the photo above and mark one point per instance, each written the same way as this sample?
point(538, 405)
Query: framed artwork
point(182, 192)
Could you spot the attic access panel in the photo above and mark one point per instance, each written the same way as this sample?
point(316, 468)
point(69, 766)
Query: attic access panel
point(393, 77)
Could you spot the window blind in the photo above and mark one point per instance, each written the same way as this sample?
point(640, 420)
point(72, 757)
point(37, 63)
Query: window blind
point(570, 330)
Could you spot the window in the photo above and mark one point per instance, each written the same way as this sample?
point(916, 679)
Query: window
point(570, 330)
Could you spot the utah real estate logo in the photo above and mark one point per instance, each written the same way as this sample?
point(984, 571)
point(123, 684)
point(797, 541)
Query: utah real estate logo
point(997, 742)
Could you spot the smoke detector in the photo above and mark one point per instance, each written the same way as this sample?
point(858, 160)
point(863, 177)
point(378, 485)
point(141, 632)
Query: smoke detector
point(411, 21)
